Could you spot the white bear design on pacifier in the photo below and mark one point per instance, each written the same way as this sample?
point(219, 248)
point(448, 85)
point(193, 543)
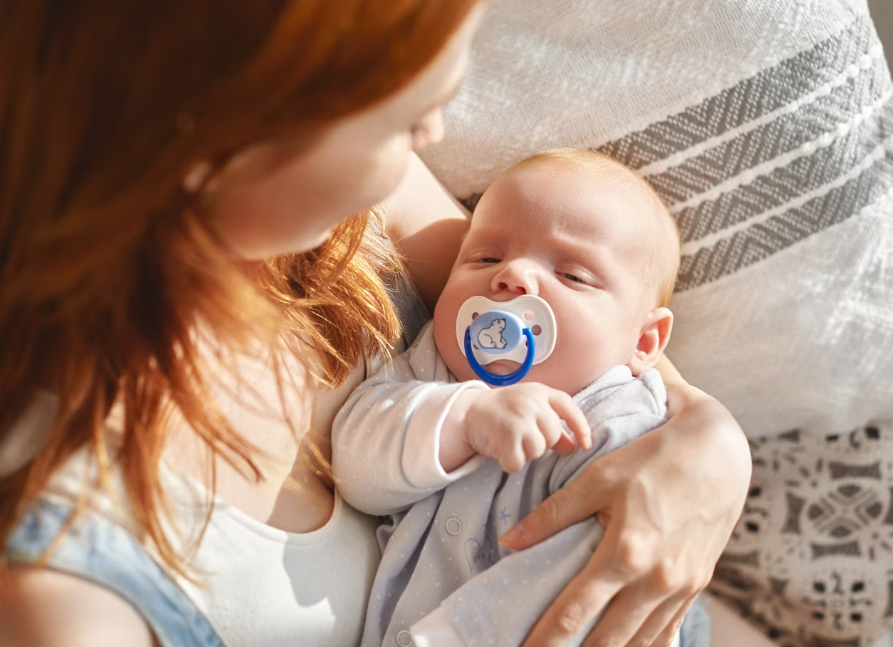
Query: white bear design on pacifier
point(522, 330)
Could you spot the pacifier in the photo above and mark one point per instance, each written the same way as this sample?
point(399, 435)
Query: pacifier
point(522, 330)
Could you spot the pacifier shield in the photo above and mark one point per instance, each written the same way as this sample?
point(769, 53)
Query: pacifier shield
point(496, 332)
point(478, 316)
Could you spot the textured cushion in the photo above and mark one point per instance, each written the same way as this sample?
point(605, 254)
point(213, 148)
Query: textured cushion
point(811, 560)
point(767, 126)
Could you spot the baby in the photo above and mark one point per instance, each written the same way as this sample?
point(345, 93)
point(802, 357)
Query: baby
point(559, 290)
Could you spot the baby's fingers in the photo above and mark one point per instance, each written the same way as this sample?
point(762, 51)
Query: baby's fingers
point(512, 459)
point(573, 417)
point(564, 445)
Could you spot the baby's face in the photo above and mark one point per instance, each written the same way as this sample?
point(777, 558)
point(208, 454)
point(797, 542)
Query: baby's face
point(575, 241)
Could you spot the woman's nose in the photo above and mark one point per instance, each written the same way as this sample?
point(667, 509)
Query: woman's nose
point(516, 277)
point(429, 130)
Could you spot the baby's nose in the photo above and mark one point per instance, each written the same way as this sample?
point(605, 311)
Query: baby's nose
point(517, 278)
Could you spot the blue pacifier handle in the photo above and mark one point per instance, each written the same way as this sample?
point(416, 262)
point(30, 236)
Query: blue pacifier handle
point(501, 380)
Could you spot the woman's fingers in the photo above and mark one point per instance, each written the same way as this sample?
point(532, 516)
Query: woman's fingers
point(666, 637)
point(579, 603)
point(633, 620)
point(559, 511)
point(645, 593)
point(623, 619)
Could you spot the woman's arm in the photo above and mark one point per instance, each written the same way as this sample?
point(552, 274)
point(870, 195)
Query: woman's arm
point(669, 501)
point(427, 225)
point(46, 608)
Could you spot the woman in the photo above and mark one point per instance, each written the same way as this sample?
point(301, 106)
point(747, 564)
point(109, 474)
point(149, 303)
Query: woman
point(167, 169)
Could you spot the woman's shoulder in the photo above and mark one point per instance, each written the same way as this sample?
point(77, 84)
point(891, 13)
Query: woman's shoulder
point(48, 608)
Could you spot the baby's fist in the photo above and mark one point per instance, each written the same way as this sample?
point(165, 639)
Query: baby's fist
point(517, 424)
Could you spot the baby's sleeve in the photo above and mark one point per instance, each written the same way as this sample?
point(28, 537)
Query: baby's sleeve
point(386, 438)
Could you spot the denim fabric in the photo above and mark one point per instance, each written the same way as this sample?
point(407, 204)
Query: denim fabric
point(105, 553)
point(696, 628)
point(412, 312)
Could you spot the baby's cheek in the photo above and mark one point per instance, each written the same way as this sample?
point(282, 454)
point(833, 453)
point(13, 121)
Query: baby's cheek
point(445, 336)
point(577, 362)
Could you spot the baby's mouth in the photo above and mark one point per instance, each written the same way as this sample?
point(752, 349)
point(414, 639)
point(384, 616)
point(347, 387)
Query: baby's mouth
point(502, 366)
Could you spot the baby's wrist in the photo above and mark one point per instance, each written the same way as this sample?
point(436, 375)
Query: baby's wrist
point(456, 446)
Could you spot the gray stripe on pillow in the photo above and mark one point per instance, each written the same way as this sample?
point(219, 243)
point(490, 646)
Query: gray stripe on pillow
point(761, 94)
point(762, 240)
point(772, 190)
point(782, 135)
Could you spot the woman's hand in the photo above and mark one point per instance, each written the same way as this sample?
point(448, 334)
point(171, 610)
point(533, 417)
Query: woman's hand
point(669, 502)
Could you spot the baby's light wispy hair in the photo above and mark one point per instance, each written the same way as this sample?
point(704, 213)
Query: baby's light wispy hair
point(664, 266)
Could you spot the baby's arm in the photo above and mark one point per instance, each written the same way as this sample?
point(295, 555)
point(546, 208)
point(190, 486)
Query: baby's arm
point(410, 430)
point(386, 438)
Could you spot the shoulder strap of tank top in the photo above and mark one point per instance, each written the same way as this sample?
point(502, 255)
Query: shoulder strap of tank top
point(103, 552)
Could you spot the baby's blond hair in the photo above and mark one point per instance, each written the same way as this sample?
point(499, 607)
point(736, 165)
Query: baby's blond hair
point(663, 268)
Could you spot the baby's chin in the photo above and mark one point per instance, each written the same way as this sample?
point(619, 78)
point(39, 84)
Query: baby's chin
point(460, 367)
point(502, 366)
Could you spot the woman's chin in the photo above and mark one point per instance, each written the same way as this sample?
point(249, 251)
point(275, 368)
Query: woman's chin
point(305, 244)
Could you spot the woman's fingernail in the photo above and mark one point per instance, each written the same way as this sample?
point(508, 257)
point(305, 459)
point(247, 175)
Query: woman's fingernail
point(513, 536)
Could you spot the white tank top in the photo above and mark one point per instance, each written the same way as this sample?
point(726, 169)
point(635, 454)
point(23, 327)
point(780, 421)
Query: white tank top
point(259, 586)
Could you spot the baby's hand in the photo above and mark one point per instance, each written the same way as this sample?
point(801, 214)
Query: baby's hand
point(516, 424)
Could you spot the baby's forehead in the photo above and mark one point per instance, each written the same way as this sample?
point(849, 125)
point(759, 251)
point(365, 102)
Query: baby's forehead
point(594, 201)
point(581, 199)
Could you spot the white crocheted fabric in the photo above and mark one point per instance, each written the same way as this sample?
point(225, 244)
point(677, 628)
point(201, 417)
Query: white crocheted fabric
point(811, 560)
point(767, 126)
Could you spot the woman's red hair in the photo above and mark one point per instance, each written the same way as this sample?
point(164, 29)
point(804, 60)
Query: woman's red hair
point(108, 272)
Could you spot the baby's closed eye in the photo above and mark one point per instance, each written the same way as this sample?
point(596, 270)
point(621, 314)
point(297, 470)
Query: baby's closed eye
point(574, 278)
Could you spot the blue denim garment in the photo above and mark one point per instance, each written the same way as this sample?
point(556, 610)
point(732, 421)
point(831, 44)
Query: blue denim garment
point(103, 552)
point(695, 630)
point(412, 312)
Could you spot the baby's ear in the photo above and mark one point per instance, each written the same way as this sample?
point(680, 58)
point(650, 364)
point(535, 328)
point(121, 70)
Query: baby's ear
point(653, 338)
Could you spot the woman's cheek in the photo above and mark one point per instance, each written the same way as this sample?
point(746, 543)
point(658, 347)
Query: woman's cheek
point(387, 170)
